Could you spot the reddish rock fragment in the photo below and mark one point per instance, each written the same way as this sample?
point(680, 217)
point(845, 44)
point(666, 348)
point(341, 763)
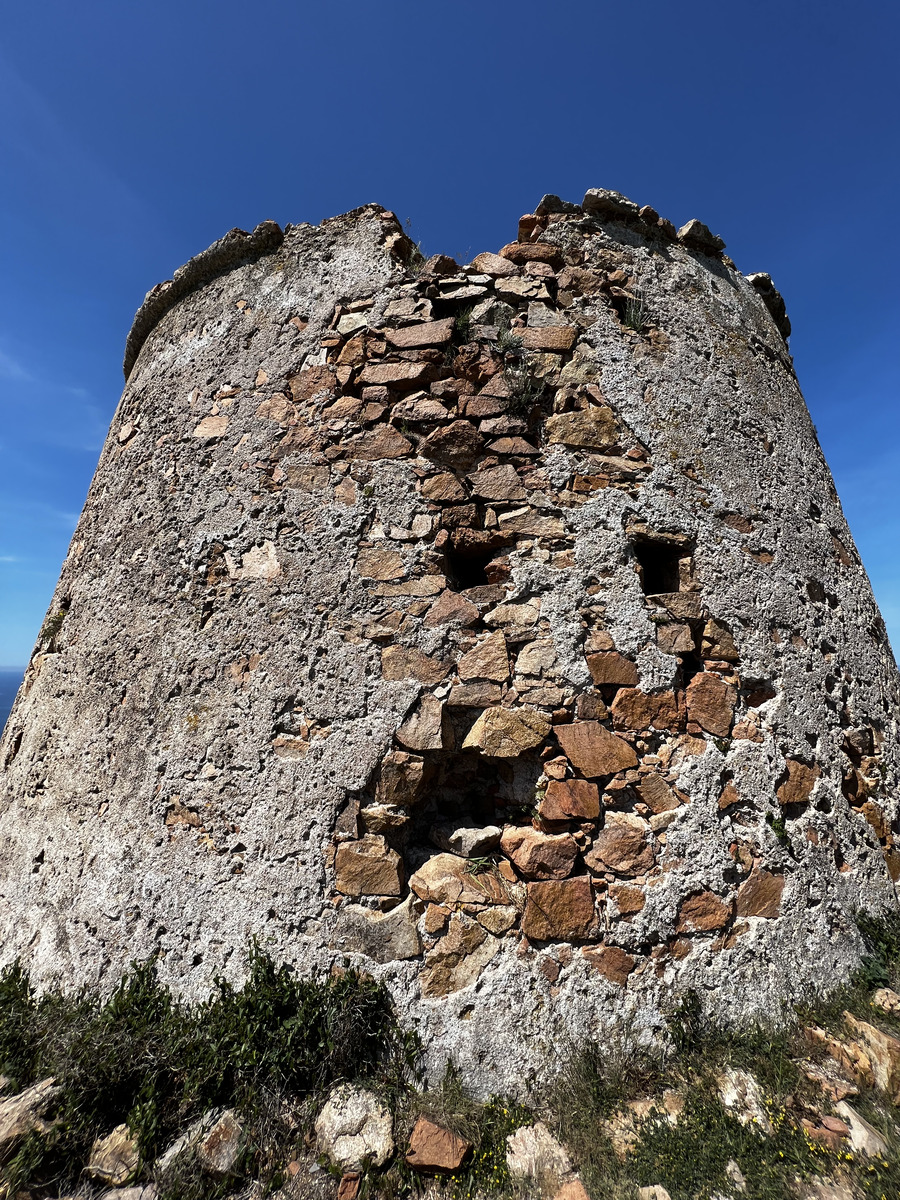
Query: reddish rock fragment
point(656, 793)
point(621, 846)
point(423, 728)
point(710, 702)
point(432, 1148)
point(348, 1188)
point(440, 264)
point(514, 446)
point(539, 855)
point(637, 710)
point(628, 900)
point(399, 376)
point(613, 668)
point(573, 1190)
point(311, 382)
point(610, 961)
point(368, 867)
point(570, 798)
point(702, 913)
point(476, 363)
point(590, 428)
point(760, 896)
point(559, 911)
point(553, 338)
point(458, 444)
point(718, 642)
point(474, 695)
point(507, 732)
point(444, 488)
point(385, 442)
point(402, 662)
point(426, 333)
point(497, 483)
point(379, 563)
point(729, 796)
point(525, 252)
point(801, 779)
point(487, 263)
point(594, 750)
point(488, 659)
point(451, 608)
point(400, 779)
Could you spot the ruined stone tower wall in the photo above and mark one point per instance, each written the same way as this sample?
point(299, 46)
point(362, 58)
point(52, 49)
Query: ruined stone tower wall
point(496, 629)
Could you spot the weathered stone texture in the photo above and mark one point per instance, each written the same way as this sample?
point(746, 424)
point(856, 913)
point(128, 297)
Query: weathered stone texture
point(441, 639)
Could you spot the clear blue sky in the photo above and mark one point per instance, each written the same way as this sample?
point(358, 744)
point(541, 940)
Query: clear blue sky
point(133, 135)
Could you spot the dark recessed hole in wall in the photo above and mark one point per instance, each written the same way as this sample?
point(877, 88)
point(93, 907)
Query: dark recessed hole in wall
point(659, 566)
point(458, 790)
point(852, 787)
point(474, 567)
point(691, 665)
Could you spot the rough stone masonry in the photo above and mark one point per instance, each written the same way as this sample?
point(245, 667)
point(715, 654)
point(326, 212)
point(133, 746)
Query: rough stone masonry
point(493, 628)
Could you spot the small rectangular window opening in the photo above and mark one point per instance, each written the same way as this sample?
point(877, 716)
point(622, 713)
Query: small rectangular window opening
point(659, 566)
point(467, 568)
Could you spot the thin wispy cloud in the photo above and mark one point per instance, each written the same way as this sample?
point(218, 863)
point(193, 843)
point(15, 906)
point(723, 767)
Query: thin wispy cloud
point(11, 368)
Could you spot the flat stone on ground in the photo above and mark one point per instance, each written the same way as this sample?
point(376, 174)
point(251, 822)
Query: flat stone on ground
point(23, 1113)
point(432, 1148)
point(114, 1158)
point(355, 1126)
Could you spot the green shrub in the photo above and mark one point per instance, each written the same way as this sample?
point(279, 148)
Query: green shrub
point(143, 1057)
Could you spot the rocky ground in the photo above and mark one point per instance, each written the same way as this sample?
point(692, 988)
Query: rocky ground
point(304, 1090)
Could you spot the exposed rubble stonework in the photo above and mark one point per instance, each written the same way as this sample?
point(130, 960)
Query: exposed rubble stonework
point(494, 629)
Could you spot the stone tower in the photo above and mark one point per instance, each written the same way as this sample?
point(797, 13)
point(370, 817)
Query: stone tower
point(494, 628)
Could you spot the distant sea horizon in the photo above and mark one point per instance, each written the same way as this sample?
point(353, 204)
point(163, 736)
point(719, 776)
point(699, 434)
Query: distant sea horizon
point(10, 678)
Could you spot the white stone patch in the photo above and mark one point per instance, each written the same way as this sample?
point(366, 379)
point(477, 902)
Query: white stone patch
point(259, 562)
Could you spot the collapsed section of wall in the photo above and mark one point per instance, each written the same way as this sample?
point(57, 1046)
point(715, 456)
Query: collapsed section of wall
point(495, 628)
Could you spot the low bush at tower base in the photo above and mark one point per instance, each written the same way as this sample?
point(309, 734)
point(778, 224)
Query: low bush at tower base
point(307, 1090)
